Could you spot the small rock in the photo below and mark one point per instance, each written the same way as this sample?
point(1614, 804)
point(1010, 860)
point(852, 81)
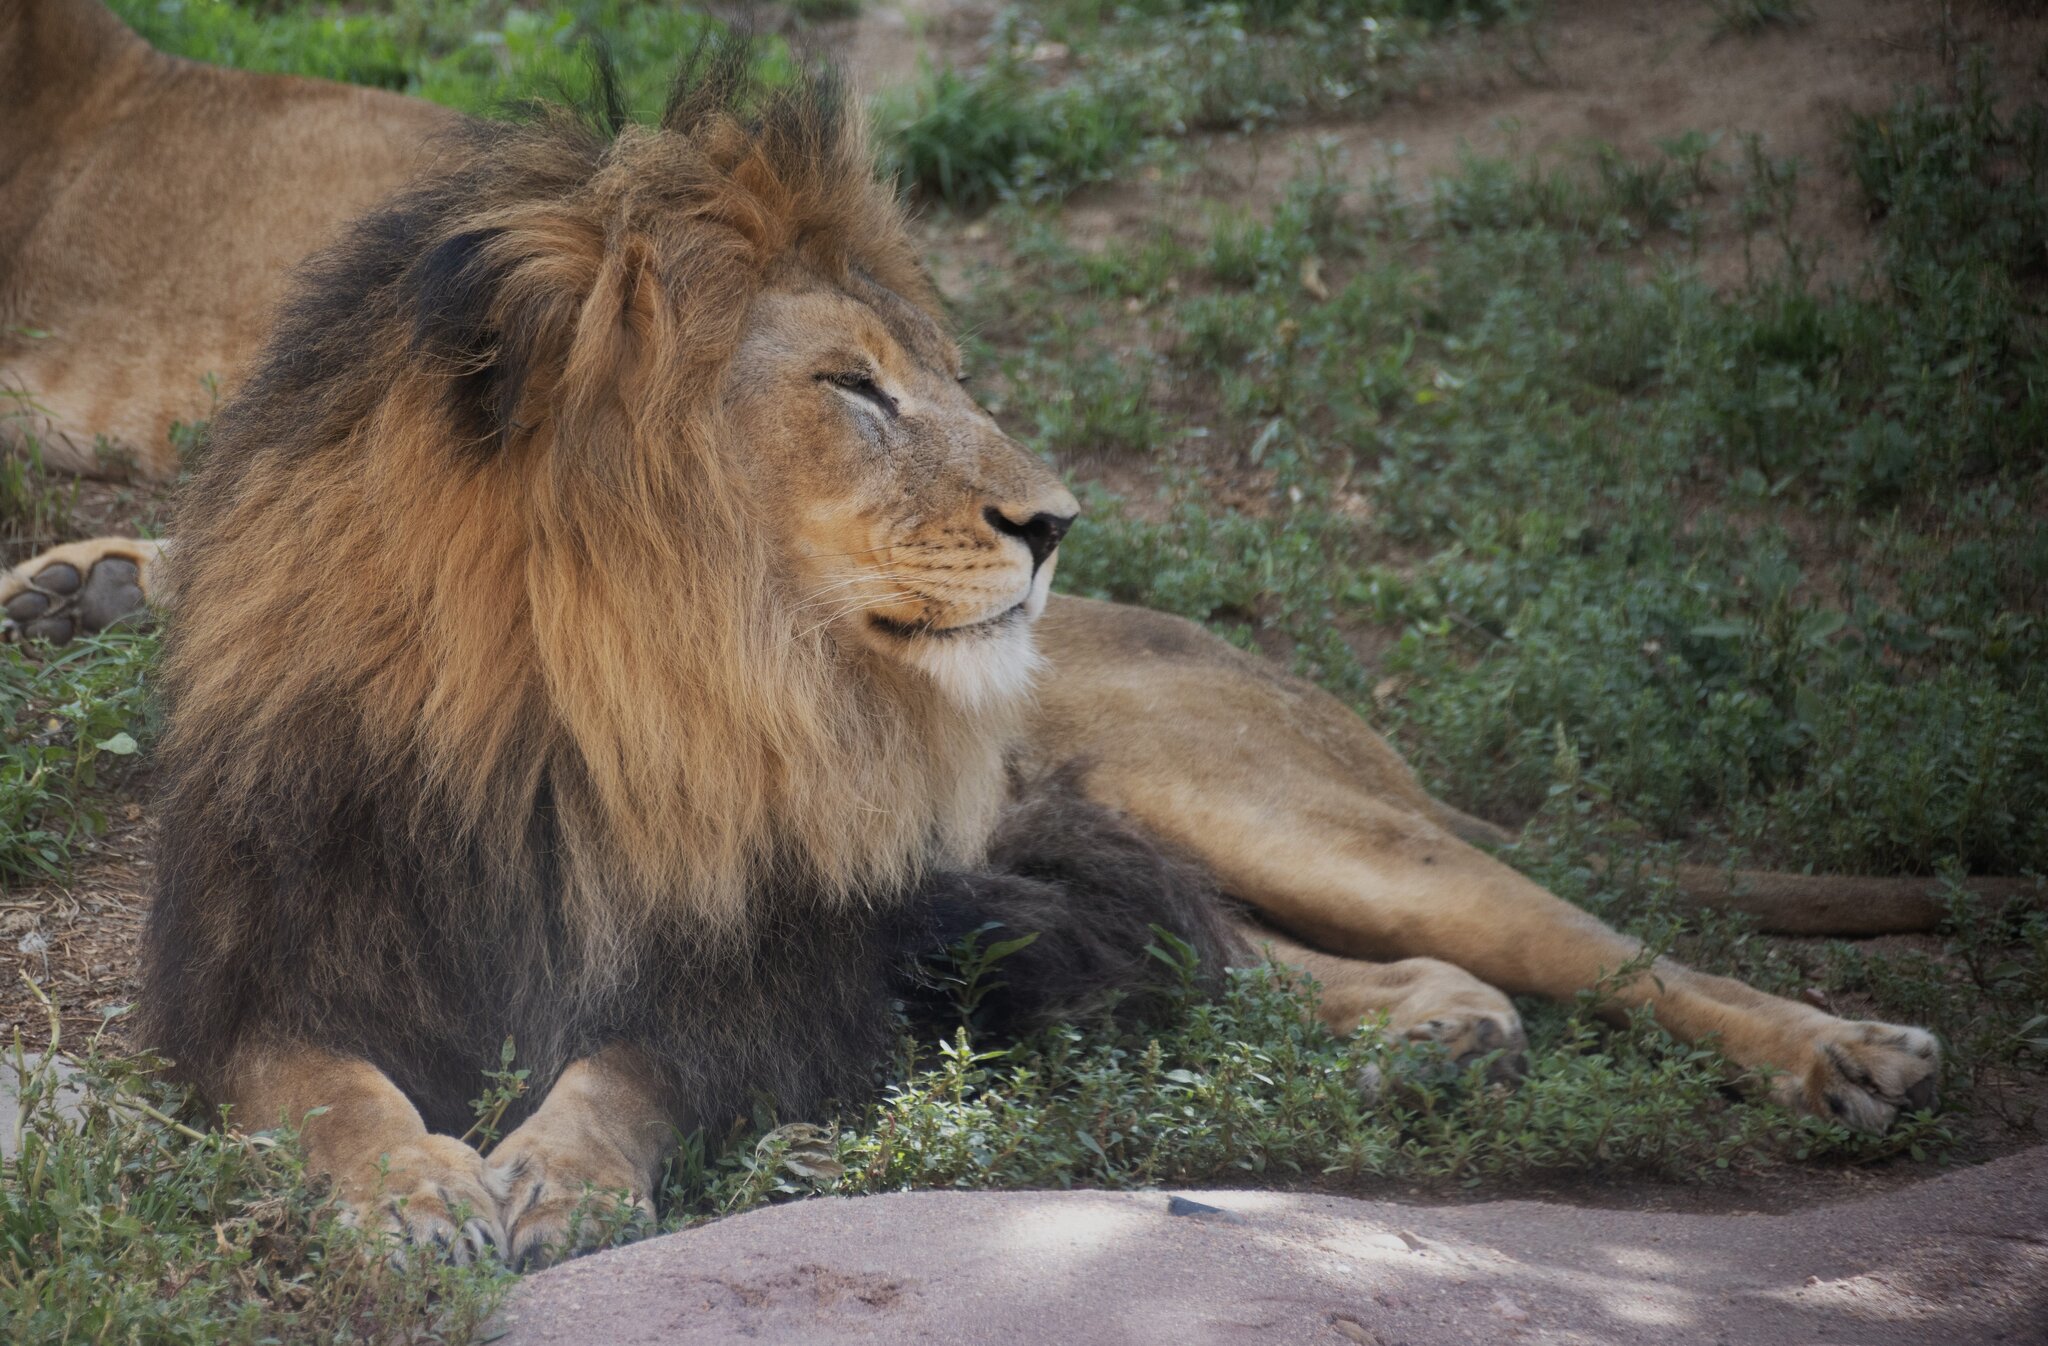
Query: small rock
point(1351, 1329)
point(1180, 1205)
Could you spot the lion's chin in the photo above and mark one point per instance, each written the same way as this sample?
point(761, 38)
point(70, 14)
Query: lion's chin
point(980, 668)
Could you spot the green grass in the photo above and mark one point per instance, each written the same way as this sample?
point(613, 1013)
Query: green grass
point(1028, 128)
point(75, 720)
point(1244, 1087)
point(1746, 18)
point(1655, 569)
point(35, 505)
point(480, 56)
point(127, 1225)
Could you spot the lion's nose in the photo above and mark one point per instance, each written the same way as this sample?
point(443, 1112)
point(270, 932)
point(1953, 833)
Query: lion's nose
point(1041, 532)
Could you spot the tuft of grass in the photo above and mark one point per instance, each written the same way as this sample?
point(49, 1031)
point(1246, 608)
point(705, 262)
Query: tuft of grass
point(1747, 18)
point(35, 505)
point(76, 719)
point(825, 11)
point(1245, 1086)
point(972, 140)
point(478, 56)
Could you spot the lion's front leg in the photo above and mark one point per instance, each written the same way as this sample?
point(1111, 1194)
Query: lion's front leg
point(597, 1140)
point(389, 1172)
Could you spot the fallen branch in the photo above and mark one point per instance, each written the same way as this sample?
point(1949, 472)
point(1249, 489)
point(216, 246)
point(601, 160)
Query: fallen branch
point(1808, 904)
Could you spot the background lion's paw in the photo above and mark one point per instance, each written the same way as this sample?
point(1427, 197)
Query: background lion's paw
point(431, 1193)
point(1865, 1074)
point(76, 589)
point(556, 1203)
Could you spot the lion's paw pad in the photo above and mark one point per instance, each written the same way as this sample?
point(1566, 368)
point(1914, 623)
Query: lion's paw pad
point(57, 602)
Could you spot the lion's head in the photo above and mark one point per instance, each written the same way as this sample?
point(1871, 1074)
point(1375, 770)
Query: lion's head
point(627, 477)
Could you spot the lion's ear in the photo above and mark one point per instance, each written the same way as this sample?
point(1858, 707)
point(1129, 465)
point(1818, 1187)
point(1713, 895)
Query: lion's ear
point(460, 327)
point(517, 320)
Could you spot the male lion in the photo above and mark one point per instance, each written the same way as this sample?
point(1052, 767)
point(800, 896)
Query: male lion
point(670, 692)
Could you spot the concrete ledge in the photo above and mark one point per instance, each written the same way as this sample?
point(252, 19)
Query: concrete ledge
point(1958, 1260)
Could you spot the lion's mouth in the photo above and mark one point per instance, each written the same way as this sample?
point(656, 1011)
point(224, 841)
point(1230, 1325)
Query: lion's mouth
point(889, 626)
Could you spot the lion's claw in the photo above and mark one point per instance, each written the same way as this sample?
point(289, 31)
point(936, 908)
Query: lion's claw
point(555, 1205)
point(1865, 1074)
point(432, 1193)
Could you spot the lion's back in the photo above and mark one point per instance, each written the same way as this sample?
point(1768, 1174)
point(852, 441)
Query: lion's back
point(139, 257)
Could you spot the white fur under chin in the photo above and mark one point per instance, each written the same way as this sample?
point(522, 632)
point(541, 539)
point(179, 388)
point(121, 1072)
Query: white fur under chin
point(982, 672)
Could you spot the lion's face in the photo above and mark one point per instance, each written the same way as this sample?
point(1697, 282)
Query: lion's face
point(919, 530)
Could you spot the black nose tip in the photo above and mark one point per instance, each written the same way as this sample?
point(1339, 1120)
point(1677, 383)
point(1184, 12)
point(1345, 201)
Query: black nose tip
point(1041, 532)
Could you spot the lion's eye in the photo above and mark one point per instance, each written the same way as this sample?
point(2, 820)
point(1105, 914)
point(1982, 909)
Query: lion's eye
point(863, 387)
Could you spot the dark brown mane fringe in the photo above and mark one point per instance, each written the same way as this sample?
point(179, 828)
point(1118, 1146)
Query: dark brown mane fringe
point(1097, 895)
point(490, 711)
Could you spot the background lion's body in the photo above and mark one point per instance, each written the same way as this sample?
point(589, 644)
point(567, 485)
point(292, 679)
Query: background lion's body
point(139, 254)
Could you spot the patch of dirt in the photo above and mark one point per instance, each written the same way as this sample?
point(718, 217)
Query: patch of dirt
point(1614, 72)
point(79, 940)
point(882, 46)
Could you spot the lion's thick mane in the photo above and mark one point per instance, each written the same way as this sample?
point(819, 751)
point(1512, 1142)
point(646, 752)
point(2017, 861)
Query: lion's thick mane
point(495, 403)
point(491, 711)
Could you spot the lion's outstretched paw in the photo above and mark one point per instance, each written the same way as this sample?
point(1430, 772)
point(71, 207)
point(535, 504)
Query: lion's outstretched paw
point(429, 1193)
point(77, 589)
point(1865, 1074)
point(558, 1201)
point(1469, 1034)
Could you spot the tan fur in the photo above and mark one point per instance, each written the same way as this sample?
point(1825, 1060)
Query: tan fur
point(600, 1135)
point(151, 211)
